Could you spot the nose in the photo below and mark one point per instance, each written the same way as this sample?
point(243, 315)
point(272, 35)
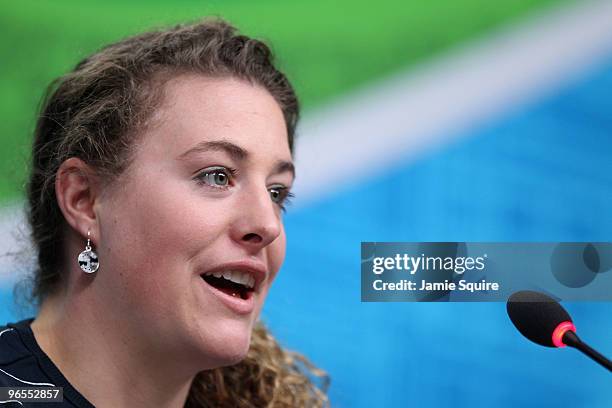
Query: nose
point(257, 222)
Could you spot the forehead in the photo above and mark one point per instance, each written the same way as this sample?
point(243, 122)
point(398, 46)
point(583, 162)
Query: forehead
point(197, 108)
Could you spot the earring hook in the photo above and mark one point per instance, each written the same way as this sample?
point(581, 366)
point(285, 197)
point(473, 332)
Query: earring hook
point(88, 246)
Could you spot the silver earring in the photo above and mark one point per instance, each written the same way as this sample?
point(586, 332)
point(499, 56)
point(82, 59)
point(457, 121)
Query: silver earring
point(88, 259)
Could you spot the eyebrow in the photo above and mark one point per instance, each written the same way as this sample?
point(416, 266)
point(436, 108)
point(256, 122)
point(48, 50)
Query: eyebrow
point(235, 152)
point(284, 167)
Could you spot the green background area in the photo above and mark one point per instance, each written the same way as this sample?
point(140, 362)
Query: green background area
point(326, 48)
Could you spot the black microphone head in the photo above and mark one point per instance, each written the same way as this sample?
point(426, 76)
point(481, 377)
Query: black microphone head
point(537, 316)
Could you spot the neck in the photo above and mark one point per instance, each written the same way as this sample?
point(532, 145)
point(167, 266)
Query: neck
point(106, 360)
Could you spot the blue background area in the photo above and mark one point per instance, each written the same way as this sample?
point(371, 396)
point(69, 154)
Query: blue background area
point(7, 313)
point(541, 173)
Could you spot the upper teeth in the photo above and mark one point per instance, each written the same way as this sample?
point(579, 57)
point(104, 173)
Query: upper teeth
point(238, 277)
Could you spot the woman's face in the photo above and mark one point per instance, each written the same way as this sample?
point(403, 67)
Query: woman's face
point(203, 194)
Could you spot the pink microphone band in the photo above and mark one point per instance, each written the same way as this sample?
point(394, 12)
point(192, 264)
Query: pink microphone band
point(560, 330)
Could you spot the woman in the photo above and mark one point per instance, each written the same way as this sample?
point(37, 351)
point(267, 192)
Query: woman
point(161, 168)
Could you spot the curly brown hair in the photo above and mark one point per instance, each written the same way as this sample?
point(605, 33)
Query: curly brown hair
point(96, 112)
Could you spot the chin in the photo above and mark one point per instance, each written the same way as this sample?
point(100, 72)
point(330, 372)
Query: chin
point(228, 347)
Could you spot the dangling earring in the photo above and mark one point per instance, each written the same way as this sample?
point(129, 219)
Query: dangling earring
point(88, 259)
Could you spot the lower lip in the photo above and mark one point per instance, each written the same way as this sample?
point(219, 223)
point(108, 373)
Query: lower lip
point(236, 304)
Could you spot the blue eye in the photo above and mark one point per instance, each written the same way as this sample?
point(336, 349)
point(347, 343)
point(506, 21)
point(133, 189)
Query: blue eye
point(217, 177)
point(281, 196)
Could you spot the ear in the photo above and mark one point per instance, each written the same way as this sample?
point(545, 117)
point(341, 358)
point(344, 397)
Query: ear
point(76, 190)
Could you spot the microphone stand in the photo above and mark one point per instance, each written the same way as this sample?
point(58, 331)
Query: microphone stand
point(572, 340)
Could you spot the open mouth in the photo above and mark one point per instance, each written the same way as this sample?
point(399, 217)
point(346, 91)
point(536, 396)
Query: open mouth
point(229, 286)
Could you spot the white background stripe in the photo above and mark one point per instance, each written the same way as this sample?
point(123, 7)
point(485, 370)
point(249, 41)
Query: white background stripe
point(403, 116)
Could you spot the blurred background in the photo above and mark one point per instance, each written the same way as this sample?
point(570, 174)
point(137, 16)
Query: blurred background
point(446, 120)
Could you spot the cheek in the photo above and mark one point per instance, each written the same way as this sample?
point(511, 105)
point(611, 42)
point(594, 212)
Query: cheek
point(276, 254)
point(151, 234)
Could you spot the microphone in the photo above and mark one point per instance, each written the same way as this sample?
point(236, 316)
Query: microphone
point(544, 321)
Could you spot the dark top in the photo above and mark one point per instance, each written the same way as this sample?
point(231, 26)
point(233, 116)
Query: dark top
point(24, 364)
